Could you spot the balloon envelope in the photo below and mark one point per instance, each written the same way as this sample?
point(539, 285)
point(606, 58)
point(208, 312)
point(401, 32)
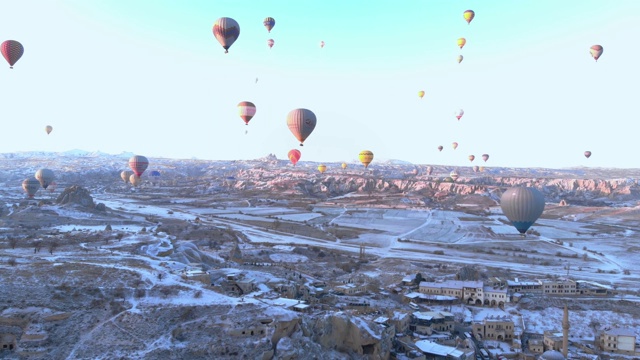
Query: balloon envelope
point(247, 110)
point(48, 129)
point(485, 157)
point(322, 168)
point(321, 44)
point(522, 206)
point(469, 15)
point(461, 42)
point(587, 154)
point(365, 157)
point(294, 156)
point(134, 180)
point(458, 113)
point(226, 30)
point(596, 51)
point(454, 145)
point(344, 165)
point(472, 157)
point(440, 147)
point(45, 177)
point(270, 43)
point(459, 58)
point(421, 94)
point(12, 51)
point(301, 122)
point(30, 186)
point(125, 174)
point(269, 23)
point(138, 164)
point(454, 175)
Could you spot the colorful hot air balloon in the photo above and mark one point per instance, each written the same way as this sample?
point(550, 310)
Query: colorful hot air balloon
point(421, 94)
point(485, 157)
point(138, 164)
point(595, 50)
point(322, 168)
point(440, 147)
point(344, 166)
point(321, 44)
point(461, 42)
point(469, 15)
point(458, 113)
point(459, 58)
point(125, 174)
point(30, 186)
point(155, 174)
point(12, 51)
point(454, 145)
point(301, 122)
point(270, 43)
point(226, 30)
point(269, 23)
point(294, 156)
point(454, 175)
point(365, 157)
point(587, 154)
point(134, 180)
point(45, 177)
point(48, 129)
point(472, 157)
point(247, 110)
point(522, 206)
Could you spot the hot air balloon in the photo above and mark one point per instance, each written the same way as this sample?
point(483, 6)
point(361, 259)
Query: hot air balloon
point(226, 30)
point(472, 157)
point(476, 168)
point(269, 23)
point(321, 44)
point(587, 154)
point(440, 147)
point(461, 42)
point(45, 177)
point(365, 157)
point(454, 175)
point(485, 157)
point(134, 180)
point(125, 174)
point(12, 51)
point(429, 170)
point(294, 156)
point(459, 58)
point(458, 113)
point(30, 186)
point(155, 174)
point(595, 50)
point(301, 122)
point(469, 15)
point(421, 94)
point(322, 168)
point(522, 206)
point(247, 110)
point(454, 145)
point(481, 168)
point(344, 166)
point(138, 164)
point(270, 43)
point(48, 129)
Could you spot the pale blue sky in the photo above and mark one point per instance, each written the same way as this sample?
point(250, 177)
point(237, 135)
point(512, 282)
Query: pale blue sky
point(150, 78)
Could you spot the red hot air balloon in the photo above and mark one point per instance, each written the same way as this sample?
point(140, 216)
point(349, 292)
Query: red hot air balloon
point(595, 50)
point(247, 111)
point(12, 51)
point(226, 30)
point(294, 156)
point(138, 164)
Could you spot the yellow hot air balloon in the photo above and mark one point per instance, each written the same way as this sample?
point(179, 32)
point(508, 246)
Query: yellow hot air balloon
point(48, 129)
point(344, 165)
point(461, 42)
point(421, 94)
point(365, 157)
point(469, 15)
point(322, 168)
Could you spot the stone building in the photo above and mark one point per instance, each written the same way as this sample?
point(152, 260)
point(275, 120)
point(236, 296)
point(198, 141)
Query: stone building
point(471, 292)
point(429, 321)
point(618, 340)
point(561, 286)
point(494, 328)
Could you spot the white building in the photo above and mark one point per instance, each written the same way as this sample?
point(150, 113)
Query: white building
point(619, 340)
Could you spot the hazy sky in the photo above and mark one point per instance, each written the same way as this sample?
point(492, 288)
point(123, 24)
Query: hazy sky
point(149, 77)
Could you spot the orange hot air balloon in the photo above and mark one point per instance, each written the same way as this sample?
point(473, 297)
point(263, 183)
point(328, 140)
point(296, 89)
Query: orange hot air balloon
point(322, 168)
point(472, 157)
point(247, 110)
point(440, 147)
point(587, 154)
point(596, 51)
point(454, 145)
point(461, 42)
point(344, 166)
point(469, 15)
point(421, 94)
point(294, 156)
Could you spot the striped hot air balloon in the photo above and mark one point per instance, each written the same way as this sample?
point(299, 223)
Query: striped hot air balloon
point(12, 51)
point(226, 30)
point(294, 156)
point(522, 206)
point(301, 122)
point(269, 23)
point(595, 50)
point(138, 164)
point(461, 42)
point(365, 157)
point(247, 110)
point(469, 15)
